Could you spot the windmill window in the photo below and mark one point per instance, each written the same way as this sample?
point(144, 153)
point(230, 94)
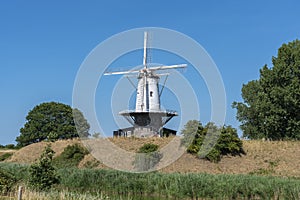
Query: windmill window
point(151, 93)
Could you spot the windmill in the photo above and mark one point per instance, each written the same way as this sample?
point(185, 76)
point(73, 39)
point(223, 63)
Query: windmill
point(148, 118)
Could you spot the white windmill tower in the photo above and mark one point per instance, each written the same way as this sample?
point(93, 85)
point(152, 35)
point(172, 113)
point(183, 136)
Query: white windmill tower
point(147, 118)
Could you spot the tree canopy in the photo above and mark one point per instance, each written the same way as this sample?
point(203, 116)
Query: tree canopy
point(52, 121)
point(271, 107)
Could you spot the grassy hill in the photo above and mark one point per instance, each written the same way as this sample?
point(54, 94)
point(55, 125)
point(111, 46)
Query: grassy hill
point(279, 158)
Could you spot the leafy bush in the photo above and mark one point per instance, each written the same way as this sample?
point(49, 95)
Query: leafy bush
point(148, 148)
point(147, 157)
point(71, 156)
point(20, 171)
point(91, 164)
point(5, 156)
point(10, 146)
point(42, 175)
point(211, 142)
point(6, 182)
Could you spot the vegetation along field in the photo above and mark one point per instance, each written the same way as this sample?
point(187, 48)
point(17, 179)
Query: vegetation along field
point(263, 172)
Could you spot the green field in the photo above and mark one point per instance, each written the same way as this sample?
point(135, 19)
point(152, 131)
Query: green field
point(99, 183)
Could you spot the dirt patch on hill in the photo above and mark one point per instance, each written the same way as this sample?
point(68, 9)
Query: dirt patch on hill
point(280, 158)
point(133, 144)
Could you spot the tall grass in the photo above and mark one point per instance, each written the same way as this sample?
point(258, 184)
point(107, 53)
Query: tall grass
point(181, 185)
point(20, 171)
point(178, 186)
point(56, 195)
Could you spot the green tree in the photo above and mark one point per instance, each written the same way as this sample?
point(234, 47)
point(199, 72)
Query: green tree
point(211, 142)
point(82, 126)
point(52, 121)
point(190, 130)
point(271, 104)
point(42, 175)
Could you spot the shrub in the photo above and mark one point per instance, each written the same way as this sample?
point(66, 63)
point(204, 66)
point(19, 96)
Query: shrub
point(148, 148)
point(10, 146)
point(224, 139)
point(5, 156)
point(71, 156)
point(147, 157)
point(20, 171)
point(91, 164)
point(42, 175)
point(6, 182)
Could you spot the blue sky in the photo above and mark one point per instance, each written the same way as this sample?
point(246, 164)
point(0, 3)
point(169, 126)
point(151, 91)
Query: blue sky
point(43, 43)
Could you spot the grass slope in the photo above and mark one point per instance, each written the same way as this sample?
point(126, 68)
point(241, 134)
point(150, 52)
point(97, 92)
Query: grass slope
point(280, 158)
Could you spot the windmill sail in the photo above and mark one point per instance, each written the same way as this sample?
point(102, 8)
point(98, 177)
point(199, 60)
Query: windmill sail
point(145, 50)
point(122, 72)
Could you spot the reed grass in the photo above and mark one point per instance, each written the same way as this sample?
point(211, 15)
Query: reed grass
point(173, 186)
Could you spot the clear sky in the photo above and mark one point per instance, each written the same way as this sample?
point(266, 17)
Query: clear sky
point(43, 43)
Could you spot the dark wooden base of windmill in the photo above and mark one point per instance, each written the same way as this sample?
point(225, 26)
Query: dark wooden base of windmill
point(143, 132)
